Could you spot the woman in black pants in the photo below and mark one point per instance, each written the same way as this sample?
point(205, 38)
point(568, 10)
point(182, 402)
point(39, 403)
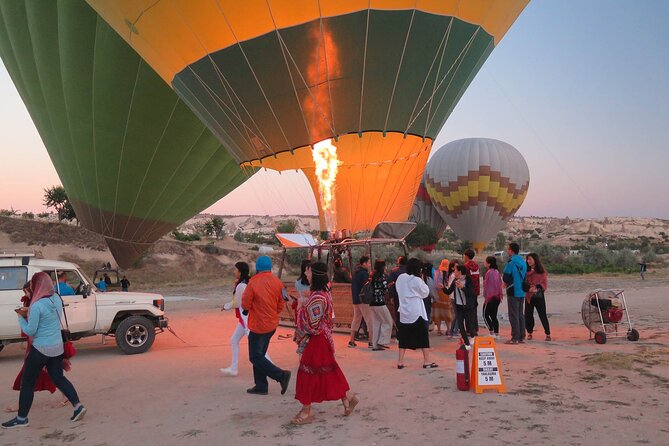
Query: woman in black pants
point(493, 292)
point(462, 290)
point(41, 322)
point(537, 276)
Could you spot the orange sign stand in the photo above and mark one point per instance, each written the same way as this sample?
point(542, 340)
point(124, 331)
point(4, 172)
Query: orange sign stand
point(486, 372)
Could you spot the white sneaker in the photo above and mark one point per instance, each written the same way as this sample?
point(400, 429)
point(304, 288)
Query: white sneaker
point(229, 371)
point(496, 336)
point(227, 306)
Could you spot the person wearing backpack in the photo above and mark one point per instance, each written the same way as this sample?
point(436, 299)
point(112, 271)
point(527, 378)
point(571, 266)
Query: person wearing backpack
point(360, 310)
point(515, 272)
point(383, 321)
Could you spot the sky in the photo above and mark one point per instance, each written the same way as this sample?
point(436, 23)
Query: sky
point(579, 87)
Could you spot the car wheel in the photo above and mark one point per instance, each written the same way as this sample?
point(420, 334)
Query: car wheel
point(135, 335)
point(600, 337)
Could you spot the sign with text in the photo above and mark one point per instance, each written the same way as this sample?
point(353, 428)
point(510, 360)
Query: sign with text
point(487, 373)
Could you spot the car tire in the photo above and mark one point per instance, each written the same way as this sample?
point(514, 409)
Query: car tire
point(135, 334)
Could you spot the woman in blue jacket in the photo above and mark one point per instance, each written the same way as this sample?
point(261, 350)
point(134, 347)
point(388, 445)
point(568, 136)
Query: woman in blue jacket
point(41, 322)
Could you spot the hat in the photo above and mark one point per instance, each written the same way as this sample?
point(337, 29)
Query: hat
point(264, 263)
point(443, 266)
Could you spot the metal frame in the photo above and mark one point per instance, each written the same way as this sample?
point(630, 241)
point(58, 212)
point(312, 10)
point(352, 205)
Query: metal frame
point(609, 328)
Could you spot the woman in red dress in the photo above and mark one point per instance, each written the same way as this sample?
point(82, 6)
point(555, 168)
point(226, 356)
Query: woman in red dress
point(319, 377)
point(44, 381)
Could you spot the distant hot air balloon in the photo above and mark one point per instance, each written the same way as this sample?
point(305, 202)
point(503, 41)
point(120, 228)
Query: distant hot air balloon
point(477, 184)
point(273, 79)
point(134, 159)
point(424, 211)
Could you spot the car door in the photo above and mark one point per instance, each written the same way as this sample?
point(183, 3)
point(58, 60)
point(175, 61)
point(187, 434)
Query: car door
point(81, 312)
point(12, 279)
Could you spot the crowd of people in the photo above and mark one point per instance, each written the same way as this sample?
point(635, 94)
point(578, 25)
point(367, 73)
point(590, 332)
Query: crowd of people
point(405, 302)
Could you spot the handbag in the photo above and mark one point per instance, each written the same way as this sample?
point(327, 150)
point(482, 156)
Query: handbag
point(539, 293)
point(68, 347)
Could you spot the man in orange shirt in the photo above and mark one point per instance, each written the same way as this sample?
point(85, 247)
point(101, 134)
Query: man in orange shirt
point(263, 299)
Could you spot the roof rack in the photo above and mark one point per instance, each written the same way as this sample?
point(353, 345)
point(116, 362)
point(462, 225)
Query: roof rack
point(16, 252)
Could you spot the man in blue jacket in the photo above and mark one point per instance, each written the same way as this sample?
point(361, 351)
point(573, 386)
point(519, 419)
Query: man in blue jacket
point(514, 275)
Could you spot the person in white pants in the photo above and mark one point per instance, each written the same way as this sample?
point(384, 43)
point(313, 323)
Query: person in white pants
point(241, 330)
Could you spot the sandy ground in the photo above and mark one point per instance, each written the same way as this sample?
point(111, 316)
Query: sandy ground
point(570, 391)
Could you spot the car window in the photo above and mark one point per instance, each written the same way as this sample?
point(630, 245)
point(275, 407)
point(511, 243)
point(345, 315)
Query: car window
point(73, 279)
point(13, 278)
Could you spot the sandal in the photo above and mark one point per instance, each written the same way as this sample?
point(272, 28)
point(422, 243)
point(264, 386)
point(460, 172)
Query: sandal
point(529, 337)
point(351, 405)
point(300, 419)
point(548, 338)
point(430, 366)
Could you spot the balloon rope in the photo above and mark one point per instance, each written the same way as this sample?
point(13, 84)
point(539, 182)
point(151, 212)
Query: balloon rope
point(327, 69)
point(399, 67)
point(464, 55)
point(441, 48)
point(428, 100)
point(434, 86)
point(364, 64)
point(255, 76)
point(227, 88)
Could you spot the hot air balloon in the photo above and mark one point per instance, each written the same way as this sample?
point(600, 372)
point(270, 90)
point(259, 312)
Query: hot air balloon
point(424, 211)
point(133, 158)
point(477, 184)
point(366, 84)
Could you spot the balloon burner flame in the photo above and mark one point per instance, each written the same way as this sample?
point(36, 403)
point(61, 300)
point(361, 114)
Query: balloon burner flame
point(327, 165)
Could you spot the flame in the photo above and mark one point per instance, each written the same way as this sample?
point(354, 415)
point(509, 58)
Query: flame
point(326, 162)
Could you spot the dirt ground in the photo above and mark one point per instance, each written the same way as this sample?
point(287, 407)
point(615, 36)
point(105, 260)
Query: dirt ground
point(569, 391)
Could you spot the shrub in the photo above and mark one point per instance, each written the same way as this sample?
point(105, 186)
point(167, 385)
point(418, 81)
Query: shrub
point(43, 214)
point(183, 237)
point(286, 226)
point(28, 215)
point(422, 235)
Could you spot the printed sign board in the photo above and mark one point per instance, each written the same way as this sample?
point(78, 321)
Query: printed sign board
point(486, 371)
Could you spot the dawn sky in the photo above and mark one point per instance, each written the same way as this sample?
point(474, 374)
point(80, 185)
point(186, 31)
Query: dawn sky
point(579, 87)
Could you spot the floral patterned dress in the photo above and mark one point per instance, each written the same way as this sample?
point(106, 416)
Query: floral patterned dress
point(319, 377)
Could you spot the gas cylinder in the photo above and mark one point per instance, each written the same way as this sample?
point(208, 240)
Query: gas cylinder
point(462, 368)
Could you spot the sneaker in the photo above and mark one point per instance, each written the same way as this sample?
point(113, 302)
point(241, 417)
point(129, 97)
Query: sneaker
point(529, 336)
point(496, 336)
point(352, 344)
point(370, 345)
point(15, 422)
point(284, 381)
point(468, 347)
point(229, 371)
point(78, 413)
point(255, 391)
point(548, 338)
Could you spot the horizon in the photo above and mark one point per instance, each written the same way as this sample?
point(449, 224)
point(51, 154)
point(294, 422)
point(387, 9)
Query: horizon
point(580, 89)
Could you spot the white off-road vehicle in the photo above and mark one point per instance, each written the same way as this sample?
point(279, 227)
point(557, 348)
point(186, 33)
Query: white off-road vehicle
point(132, 318)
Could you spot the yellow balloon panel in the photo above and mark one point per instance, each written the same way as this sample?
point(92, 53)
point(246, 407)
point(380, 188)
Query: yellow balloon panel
point(196, 28)
point(377, 178)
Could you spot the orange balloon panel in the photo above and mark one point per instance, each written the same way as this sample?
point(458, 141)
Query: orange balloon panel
point(377, 180)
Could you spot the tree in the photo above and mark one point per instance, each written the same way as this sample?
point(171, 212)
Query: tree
point(500, 241)
point(286, 226)
point(422, 235)
point(215, 227)
point(56, 197)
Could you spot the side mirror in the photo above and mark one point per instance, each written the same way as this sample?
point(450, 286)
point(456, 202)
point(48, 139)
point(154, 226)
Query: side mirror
point(86, 291)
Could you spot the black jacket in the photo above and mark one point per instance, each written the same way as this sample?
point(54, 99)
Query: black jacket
point(470, 297)
point(360, 278)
